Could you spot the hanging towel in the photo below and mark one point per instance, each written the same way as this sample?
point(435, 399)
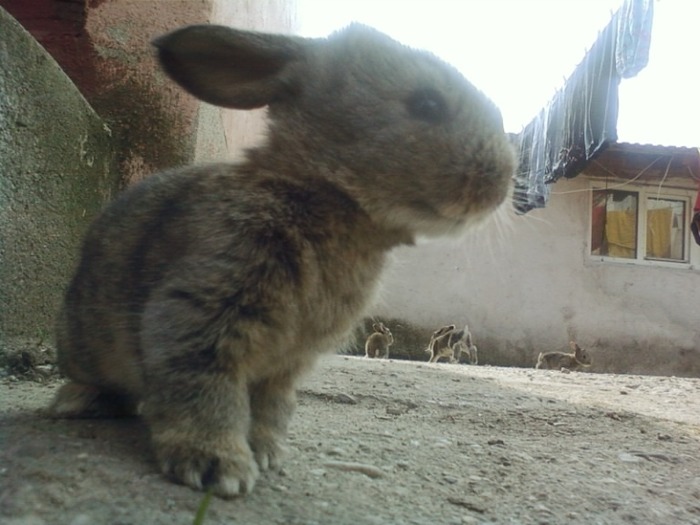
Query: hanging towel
point(695, 222)
point(634, 22)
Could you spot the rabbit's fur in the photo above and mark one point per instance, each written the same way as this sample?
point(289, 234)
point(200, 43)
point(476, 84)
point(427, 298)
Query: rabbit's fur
point(378, 342)
point(202, 293)
point(448, 342)
point(558, 360)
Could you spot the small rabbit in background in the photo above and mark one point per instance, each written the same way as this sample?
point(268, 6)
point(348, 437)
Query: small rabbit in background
point(203, 293)
point(441, 350)
point(562, 361)
point(378, 343)
point(447, 342)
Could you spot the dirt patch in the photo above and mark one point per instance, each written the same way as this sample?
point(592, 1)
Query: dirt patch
point(389, 442)
point(26, 359)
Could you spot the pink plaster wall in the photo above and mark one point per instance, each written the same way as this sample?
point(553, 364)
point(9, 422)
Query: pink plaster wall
point(104, 47)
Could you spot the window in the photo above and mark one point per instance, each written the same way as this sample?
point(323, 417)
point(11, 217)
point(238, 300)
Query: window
point(640, 225)
point(666, 231)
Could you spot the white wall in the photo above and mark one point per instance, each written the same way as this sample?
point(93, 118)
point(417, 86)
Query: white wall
point(527, 284)
point(241, 129)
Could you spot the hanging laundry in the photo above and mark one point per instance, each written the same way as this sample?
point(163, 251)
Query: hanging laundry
point(581, 119)
point(634, 21)
point(695, 222)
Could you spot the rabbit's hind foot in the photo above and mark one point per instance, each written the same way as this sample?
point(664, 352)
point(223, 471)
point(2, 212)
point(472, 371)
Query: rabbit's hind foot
point(75, 400)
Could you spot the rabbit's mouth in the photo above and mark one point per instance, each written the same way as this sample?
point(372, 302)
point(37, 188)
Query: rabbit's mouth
point(471, 207)
point(427, 220)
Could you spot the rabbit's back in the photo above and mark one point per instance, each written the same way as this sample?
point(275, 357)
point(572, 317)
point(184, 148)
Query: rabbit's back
point(556, 361)
point(377, 345)
point(223, 245)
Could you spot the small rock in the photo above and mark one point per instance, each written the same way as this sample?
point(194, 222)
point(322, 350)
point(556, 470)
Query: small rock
point(344, 399)
point(368, 470)
point(628, 458)
point(461, 502)
point(495, 442)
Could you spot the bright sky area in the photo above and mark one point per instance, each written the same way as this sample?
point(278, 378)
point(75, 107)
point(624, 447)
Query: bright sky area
point(520, 51)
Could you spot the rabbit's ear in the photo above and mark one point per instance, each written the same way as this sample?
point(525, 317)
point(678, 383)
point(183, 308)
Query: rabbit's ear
point(574, 346)
point(228, 67)
point(377, 327)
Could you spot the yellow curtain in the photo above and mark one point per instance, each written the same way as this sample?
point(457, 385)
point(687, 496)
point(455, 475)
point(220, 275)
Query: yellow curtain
point(621, 233)
point(659, 233)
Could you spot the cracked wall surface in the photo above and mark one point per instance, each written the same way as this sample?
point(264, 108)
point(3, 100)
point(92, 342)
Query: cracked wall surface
point(56, 171)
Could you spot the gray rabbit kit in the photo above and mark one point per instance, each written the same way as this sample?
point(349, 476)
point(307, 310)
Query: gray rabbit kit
point(448, 342)
point(559, 360)
point(378, 343)
point(203, 293)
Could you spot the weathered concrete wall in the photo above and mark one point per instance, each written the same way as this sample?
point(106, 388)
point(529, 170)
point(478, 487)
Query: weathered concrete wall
point(58, 161)
point(56, 171)
point(527, 284)
point(104, 47)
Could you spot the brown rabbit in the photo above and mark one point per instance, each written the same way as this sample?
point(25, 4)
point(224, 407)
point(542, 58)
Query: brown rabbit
point(203, 293)
point(378, 343)
point(451, 343)
point(558, 360)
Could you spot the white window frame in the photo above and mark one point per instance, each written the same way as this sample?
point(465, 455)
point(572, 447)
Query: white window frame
point(645, 192)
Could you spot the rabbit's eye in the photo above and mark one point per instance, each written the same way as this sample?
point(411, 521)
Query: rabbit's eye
point(428, 105)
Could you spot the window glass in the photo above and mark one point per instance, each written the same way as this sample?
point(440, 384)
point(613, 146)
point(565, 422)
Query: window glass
point(614, 224)
point(665, 229)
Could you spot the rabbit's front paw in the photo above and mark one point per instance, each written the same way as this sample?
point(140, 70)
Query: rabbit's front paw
point(267, 450)
point(226, 471)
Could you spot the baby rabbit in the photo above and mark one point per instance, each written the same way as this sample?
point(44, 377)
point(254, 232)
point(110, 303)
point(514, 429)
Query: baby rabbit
point(560, 360)
point(450, 343)
point(378, 343)
point(204, 292)
point(441, 350)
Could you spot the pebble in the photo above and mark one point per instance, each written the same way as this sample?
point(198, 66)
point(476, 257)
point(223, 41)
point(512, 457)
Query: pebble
point(344, 399)
point(368, 470)
point(628, 458)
